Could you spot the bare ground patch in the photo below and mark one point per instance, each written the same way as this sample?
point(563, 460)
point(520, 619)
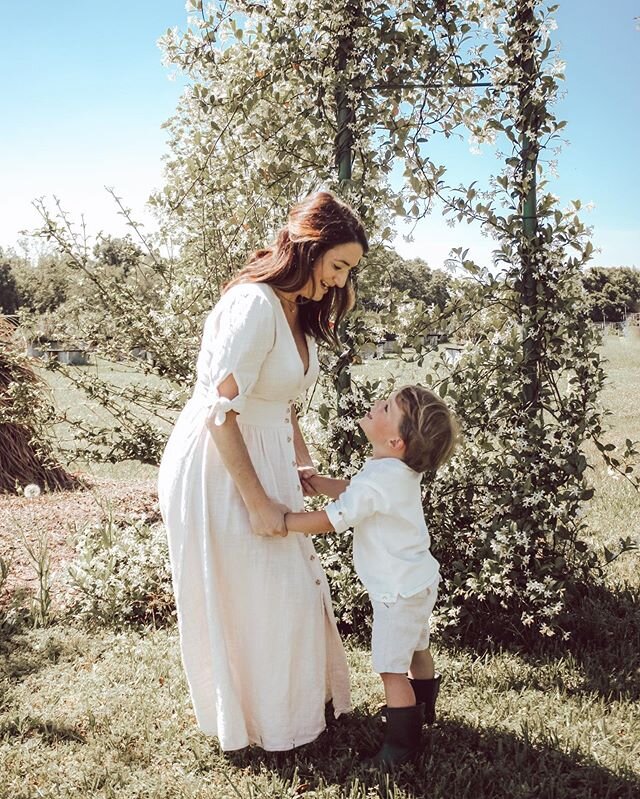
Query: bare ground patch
point(58, 516)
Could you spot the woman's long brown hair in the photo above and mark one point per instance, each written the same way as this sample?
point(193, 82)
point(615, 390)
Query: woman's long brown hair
point(315, 225)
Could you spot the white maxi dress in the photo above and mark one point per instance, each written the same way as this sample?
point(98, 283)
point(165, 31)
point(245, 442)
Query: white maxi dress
point(259, 641)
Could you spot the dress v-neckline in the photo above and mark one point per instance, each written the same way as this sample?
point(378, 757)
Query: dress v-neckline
point(305, 372)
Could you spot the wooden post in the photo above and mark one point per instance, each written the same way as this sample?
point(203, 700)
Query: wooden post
point(526, 26)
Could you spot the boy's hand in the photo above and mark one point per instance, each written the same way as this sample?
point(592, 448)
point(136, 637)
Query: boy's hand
point(305, 474)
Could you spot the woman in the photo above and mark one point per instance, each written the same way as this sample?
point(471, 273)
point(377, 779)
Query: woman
point(259, 640)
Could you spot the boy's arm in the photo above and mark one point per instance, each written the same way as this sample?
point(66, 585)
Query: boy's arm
point(315, 521)
point(328, 486)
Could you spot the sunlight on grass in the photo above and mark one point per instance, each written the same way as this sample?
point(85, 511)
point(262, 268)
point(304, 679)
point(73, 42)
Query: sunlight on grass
point(109, 714)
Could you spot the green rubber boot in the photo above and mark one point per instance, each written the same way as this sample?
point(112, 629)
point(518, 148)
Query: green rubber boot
point(426, 691)
point(402, 737)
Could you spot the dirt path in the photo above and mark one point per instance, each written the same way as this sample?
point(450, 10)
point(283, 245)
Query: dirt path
point(59, 516)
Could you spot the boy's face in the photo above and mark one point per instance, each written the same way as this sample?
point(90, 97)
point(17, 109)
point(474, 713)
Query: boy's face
point(381, 425)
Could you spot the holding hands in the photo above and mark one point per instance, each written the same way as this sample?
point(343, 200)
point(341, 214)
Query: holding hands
point(306, 473)
point(267, 519)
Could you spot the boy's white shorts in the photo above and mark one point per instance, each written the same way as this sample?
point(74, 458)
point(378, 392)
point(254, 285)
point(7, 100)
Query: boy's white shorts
point(400, 629)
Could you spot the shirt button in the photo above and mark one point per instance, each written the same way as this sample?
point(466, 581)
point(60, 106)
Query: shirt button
point(299, 487)
point(313, 557)
point(317, 582)
point(289, 439)
point(293, 463)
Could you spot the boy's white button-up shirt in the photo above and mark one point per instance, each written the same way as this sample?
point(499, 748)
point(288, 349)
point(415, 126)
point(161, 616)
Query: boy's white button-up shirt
point(390, 538)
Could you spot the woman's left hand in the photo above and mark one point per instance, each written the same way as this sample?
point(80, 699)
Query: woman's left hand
point(305, 473)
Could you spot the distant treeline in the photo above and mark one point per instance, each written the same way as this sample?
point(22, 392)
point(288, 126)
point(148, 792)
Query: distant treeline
point(46, 284)
point(43, 287)
point(614, 292)
point(49, 291)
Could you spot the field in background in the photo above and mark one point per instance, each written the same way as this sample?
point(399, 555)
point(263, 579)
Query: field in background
point(615, 509)
point(72, 400)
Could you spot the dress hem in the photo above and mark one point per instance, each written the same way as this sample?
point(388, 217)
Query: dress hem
point(272, 747)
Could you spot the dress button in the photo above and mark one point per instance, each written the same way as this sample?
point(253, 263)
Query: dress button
point(289, 439)
point(317, 582)
point(313, 557)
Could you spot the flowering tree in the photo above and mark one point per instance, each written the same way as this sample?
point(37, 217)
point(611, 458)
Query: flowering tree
point(296, 94)
point(508, 509)
point(283, 98)
point(339, 93)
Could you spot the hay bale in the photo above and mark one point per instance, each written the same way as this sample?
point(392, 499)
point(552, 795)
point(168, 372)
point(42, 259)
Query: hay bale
point(26, 455)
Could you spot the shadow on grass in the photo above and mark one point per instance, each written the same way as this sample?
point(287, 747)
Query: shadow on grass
point(458, 762)
point(24, 651)
point(50, 732)
point(604, 642)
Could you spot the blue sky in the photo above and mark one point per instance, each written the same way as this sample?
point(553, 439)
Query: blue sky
point(84, 95)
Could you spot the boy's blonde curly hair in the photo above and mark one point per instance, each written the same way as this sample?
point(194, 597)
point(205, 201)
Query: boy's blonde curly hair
point(428, 428)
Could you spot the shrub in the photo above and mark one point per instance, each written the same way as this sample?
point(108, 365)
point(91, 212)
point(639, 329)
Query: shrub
point(121, 574)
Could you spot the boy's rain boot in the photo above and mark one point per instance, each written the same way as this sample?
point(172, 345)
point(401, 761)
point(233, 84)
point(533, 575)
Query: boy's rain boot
point(426, 691)
point(402, 736)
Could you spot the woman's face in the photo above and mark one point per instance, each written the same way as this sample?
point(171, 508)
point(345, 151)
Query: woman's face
point(332, 269)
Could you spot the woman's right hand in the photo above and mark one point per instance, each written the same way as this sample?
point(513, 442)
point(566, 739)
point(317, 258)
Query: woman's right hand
point(267, 519)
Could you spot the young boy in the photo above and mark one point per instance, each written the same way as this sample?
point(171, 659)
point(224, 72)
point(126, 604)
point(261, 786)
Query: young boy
point(411, 432)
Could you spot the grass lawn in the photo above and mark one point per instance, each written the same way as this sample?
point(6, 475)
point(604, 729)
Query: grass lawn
point(107, 714)
point(615, 509)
